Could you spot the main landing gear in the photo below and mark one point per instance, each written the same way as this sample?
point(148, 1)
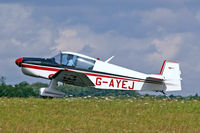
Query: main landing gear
point(51, 92)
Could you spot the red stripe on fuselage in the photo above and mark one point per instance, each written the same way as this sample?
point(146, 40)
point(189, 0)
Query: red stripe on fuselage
point(88, 74)
point(41, 67)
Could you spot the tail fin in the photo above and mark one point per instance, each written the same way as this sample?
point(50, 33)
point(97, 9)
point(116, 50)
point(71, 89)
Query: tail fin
point(171, 73)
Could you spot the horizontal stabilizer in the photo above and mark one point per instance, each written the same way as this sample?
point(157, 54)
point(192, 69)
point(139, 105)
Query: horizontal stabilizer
point(155, 78)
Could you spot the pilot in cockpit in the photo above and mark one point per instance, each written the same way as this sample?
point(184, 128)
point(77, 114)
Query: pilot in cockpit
point(70, 61)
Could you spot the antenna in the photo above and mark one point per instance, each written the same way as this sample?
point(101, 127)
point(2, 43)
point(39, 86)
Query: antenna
point(109, 59)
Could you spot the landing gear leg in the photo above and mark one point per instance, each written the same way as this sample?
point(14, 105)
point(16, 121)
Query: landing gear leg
point(165, 95)
point(51, 91)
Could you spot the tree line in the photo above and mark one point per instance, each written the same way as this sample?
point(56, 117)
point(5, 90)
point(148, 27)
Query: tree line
point(24, 89)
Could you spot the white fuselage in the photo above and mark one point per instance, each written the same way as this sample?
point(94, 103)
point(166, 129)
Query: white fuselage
point(103, 76)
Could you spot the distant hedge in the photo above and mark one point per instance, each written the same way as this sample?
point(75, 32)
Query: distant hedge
point(25, 89)
point(22, 89)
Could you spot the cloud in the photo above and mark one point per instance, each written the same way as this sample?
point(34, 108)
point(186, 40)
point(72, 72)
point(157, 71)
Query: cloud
point(80, 38)
point(21, 35)
point(20, 32)
point(13, 17)
point(166, 48)
point(71, 39)
point(159, 16)
point(163, 20)
point(139, 39)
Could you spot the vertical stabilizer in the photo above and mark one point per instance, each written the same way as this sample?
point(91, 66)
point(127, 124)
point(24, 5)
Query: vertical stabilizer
point(171, 73)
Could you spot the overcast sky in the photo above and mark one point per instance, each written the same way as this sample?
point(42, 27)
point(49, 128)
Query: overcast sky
point(140, 34)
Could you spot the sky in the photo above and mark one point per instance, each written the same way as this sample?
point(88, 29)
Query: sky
point(140, 34)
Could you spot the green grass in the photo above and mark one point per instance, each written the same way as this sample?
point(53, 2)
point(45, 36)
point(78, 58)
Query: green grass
point(99, 115)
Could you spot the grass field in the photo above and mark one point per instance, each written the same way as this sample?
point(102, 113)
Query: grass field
point(103, 115)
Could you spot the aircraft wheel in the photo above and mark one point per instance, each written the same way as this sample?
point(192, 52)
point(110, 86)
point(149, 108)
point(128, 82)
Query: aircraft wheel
point(46, 97)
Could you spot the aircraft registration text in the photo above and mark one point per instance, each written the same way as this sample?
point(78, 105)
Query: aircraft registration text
point(114, 83)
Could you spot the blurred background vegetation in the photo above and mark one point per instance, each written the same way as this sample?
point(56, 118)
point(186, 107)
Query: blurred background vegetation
point(24, 89)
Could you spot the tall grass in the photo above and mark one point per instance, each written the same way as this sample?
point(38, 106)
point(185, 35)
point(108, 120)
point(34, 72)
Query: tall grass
point(99, 115)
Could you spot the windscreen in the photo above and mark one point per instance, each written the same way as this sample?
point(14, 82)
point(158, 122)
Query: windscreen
point(57, 58)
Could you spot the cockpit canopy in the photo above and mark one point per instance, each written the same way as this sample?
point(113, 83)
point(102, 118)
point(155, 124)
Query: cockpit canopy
point(75, 61)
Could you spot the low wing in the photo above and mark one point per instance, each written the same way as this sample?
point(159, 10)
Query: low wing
point(73, 78)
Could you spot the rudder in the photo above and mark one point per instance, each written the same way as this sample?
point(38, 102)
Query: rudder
point(171, 73)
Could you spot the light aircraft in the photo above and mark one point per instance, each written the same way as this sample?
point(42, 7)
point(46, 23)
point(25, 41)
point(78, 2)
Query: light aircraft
point(81, 70)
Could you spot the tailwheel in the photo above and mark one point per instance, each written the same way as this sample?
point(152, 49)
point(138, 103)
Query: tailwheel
point(165, 94)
